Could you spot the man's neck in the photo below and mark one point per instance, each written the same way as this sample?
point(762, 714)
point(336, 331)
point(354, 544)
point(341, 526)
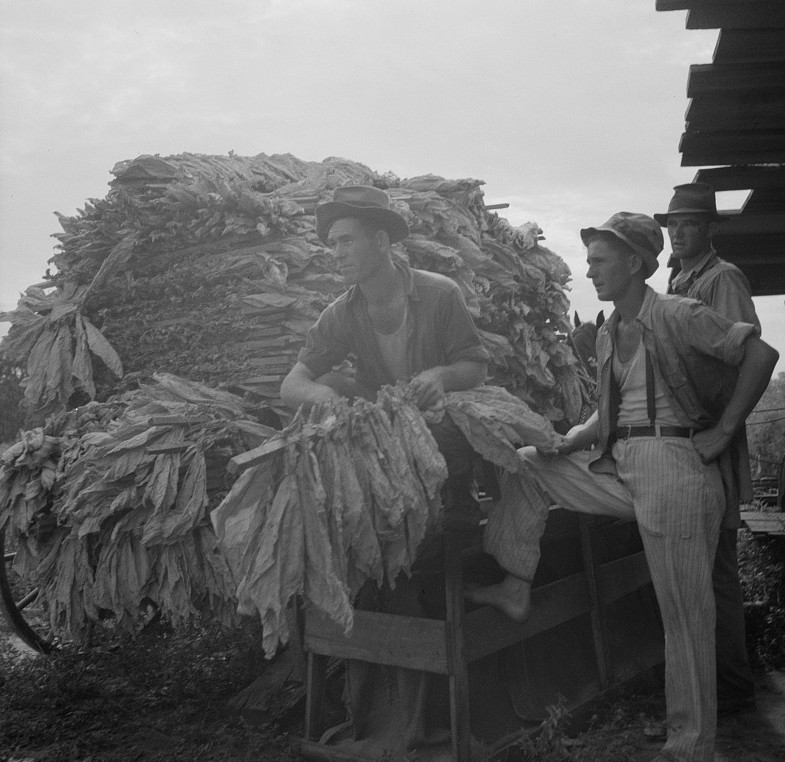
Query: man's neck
point(383, 286)
point(689, 264)
point(629, 305)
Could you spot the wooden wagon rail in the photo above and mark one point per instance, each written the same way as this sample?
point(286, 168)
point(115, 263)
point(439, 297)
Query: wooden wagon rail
point(600, 603)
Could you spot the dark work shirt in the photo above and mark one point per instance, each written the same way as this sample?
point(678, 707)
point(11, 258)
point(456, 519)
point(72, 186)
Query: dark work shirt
point(441, 331)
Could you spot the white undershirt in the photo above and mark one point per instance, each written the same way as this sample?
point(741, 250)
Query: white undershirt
point(393, 349)
point(631, 377)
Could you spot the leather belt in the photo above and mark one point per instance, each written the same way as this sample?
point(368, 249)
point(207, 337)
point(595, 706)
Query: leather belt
point(625, 432)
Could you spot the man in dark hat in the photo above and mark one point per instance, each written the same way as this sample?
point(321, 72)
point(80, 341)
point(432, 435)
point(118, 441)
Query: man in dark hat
point(398, 323)
point(662, 422)
point(691, 222)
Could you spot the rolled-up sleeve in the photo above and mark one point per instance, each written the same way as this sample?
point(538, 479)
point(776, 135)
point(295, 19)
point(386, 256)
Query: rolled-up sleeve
point(325, 346)
point(729, 295)
point(712, 334)
point(460, 336)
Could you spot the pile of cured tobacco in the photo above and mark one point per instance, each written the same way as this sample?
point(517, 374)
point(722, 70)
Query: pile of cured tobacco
point(120, 506)
point(347, 494)
point(108, 506)
point(209, 267)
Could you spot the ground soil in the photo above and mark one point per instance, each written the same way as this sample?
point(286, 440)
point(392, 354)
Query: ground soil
point(76, 721)
point(755, 735)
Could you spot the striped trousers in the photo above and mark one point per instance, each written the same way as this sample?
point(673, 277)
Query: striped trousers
point(678, 503)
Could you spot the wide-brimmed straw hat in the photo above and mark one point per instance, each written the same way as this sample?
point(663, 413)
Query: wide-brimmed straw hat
point(639, 231)
point(691, 198)
point(365, 203)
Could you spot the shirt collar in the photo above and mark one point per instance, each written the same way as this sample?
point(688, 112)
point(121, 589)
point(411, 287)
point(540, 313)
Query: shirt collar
point(704, 263)
point(643, 316)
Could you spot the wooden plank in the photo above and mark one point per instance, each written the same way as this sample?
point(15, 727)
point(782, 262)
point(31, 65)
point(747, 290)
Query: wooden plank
point(244, 460)
point(309, 749)
point(279, 341)
point(622, 577)
point(742, 178)
point(398, 641)
point(456, 661)
point(749, 14)
point(487, 630)
point(762, 202)
point(702, 148)
point(753, 224)
point(251, 458)
point(760, 45)
point(766, 281)
point(707, 79)
point(316, 682)
point(764, 522)
point(591, 568)
point(724, 112)
point(686, 5)
point(759, 251)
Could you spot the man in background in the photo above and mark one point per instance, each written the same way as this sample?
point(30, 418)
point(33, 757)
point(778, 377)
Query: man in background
point(691, 222)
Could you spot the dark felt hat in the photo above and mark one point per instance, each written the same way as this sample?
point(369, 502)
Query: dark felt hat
point(639, 231)
point(365, 203)
point(691, 198)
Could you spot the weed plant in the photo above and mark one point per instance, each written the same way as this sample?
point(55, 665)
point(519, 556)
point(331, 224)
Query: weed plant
point(762, 573)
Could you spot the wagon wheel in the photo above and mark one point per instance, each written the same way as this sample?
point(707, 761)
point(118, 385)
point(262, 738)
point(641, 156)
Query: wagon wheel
point(13, 603)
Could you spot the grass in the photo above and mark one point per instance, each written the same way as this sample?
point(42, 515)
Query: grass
point(762, 572)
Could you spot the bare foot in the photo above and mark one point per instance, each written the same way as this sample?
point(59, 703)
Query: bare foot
point(512, 596)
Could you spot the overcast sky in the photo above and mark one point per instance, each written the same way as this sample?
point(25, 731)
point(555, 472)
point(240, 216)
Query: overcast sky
point(569, 110)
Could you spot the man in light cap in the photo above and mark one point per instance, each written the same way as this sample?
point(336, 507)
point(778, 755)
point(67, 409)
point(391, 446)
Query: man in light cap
point(697, 272)
point(660, 425)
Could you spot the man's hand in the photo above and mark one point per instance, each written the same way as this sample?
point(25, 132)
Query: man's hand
point(572, 441)
point(710, 443)
point(427, 388)
point(554, 449)
point(577, 438)
point(300, 388)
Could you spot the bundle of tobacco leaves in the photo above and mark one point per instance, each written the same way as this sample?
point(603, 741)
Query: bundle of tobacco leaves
point(347, 494)
point(209, 267)
point(108, 505)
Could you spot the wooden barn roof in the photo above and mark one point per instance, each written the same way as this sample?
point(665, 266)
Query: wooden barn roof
point(735, 129)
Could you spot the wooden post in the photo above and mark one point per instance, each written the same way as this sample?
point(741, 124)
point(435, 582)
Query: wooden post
point(596, 612)
point(456, 657)
point(316, 680)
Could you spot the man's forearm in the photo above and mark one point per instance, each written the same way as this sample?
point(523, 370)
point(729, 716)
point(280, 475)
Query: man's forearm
point(581, 436)
point(754, 375)
point(464, 374)
point(297, 389)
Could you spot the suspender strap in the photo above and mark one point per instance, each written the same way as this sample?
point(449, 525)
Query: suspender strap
point(651, 408)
